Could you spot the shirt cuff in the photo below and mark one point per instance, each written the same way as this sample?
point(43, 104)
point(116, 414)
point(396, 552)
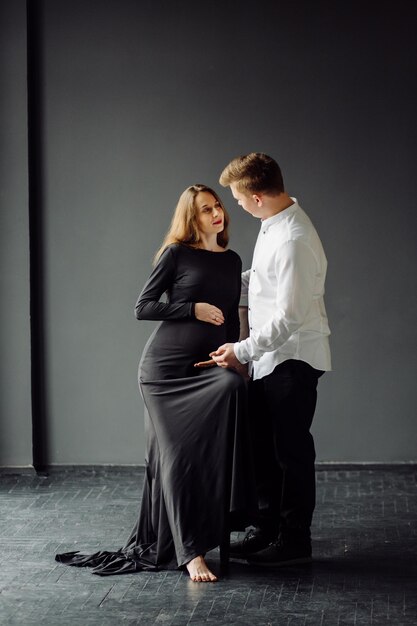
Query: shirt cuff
point(246, 350)
point(240, 352)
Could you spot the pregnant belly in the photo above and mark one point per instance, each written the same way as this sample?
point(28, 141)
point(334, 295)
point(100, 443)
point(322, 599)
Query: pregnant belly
point(175, 346)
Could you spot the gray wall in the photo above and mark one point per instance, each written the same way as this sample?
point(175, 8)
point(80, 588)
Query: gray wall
point(15, 395)
point(143, 98)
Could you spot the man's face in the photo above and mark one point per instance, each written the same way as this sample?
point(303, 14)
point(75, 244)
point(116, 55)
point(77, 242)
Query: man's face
point(246, 201)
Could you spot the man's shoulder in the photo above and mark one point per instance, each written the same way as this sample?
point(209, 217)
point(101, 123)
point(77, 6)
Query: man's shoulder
point(299, 225)
point(296, 232)
point(293, 225)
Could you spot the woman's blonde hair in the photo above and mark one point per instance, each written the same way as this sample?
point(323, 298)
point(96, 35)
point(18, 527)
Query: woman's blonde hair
point(184, 228)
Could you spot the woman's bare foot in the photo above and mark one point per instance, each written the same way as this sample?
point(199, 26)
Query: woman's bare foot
point(199, 572)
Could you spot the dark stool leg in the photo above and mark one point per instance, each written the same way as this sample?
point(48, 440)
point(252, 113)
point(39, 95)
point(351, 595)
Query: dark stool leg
point(227, 516)
point(225, 547)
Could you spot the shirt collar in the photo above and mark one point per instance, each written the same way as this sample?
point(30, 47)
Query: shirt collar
point(270, 221)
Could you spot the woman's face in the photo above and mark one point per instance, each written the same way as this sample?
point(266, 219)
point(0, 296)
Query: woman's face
point(210, 215)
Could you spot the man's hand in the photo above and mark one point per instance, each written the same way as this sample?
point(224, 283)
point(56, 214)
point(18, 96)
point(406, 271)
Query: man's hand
point(225, 356)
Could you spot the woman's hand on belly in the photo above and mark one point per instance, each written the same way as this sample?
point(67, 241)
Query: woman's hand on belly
point(209, 313)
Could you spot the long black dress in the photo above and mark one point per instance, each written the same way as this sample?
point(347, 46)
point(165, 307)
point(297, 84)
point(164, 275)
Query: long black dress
point(198, 471)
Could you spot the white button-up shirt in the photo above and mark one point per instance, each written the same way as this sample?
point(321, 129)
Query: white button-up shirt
point(285, 289)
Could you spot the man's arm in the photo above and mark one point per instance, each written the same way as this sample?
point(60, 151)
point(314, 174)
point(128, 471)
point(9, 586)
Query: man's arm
point(296, 271)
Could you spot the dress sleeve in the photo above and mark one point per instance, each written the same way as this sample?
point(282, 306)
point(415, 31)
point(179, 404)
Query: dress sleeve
point(148, 305)
point(233, 321)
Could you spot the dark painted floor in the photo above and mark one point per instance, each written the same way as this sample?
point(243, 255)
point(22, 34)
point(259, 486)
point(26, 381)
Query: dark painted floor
point(365, 548)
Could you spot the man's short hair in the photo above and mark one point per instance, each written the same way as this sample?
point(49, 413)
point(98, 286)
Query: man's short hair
point(254, 173)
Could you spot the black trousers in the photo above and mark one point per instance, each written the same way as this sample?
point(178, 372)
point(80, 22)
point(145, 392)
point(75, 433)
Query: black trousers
point(282, 407)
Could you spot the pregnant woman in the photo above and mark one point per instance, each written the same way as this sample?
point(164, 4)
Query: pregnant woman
point(198, 478)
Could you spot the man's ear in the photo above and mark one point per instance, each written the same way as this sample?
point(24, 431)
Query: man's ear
point(257, 198)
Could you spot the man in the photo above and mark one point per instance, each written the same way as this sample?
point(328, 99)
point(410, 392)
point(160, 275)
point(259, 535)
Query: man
point(287, 351)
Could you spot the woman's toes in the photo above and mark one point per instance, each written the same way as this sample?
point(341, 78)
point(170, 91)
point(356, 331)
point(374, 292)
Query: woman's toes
point(199, 572)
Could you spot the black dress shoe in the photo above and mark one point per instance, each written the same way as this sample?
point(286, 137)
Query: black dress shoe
point(279, 554)
point(254, 541)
